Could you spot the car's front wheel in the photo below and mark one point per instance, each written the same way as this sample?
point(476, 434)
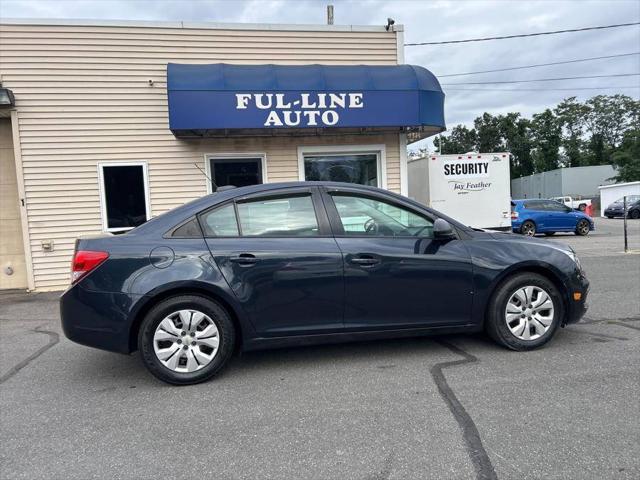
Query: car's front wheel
point(582, 228)
point(635, 214)
point(186, 339)
point(524, 312)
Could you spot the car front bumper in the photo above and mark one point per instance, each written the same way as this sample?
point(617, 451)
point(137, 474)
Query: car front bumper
point(576, 308)
point(613, 213)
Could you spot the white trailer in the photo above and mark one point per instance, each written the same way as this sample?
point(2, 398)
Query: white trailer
point(474, 188)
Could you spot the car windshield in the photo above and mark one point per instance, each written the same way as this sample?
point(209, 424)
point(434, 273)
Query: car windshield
point(630, 199)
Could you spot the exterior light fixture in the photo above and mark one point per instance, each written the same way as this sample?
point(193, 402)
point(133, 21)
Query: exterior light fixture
point(390, 22)
point(7, 100)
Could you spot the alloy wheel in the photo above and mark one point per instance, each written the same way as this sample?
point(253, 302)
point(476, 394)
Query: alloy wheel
point(186, 341)
point(528, 229)
point(529, 313)
point(583, 227)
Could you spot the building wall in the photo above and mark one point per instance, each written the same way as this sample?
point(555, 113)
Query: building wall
point(584, 181)
point(13, 273)
point(576, 181)
point(539, 185)
point(83, 96)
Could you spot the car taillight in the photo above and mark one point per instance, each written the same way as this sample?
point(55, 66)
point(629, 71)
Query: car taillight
point(514, 215)
point(84, 261)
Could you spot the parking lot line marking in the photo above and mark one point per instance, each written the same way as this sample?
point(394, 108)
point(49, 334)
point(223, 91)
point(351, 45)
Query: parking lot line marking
point(478, 455)
point(53, 339)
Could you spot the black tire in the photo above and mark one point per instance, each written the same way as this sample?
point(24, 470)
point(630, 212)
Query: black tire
point(582, 228)
point(528, 228)
point(582, 207)
point(495, 322)
point(226, 334)
point(635, 214)
point(609, 216)
point(548, 234)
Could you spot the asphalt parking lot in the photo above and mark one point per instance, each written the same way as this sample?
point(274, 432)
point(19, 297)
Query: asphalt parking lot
point(455, 407)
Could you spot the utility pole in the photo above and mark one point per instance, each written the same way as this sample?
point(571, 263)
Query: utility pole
point(624, 216)
point(329, 14)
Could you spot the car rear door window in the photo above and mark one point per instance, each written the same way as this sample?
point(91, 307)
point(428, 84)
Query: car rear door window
point(366, 216)
point(553, 206)
point(220, 222)
point(288, 216)
point(535, 205)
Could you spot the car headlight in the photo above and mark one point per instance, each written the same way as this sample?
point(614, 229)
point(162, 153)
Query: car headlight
point(572, 254)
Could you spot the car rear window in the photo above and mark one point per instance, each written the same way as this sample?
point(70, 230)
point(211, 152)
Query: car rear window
point(220, 222)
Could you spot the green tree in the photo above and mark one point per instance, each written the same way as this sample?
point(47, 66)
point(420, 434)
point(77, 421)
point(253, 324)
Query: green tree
point(460, 140)
point(572, 115)
point(546, 133)
point(516, 132)
point(627, 158)
point(488, 135)
point(607, 120)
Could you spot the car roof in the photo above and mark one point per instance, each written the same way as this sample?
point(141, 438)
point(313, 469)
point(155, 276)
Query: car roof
point(171, 218)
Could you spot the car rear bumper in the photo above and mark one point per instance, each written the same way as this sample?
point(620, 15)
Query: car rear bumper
point(97, 319)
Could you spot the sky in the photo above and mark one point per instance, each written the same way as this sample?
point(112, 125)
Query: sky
point(428, 21)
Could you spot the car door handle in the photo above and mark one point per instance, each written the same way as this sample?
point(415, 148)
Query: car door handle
point(244, 259)
point(365, 261)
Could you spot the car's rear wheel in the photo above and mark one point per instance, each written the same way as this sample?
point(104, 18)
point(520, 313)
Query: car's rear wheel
point(186, 339)
point(608, 216)
point(528, 228)
point(582, 228)
point(582, 207)
point(524, 312)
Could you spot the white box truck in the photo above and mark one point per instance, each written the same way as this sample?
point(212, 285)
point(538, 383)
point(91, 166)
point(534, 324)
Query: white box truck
point(474, 188)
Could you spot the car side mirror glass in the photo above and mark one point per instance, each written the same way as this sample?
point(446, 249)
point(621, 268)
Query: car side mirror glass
point(442, 230)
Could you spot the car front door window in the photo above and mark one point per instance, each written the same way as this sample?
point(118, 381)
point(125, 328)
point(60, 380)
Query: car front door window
point(366, 216)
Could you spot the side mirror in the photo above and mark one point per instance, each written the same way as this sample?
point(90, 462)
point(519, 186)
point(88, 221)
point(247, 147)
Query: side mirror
point(442, 230)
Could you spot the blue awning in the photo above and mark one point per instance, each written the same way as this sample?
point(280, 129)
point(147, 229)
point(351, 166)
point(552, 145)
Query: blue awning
point(225, 100)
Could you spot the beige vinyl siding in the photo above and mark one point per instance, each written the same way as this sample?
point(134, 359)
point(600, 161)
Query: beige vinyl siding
point(83, 97)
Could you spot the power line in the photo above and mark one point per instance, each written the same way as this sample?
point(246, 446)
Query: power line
point(540, 89)
point(577, 60)
point(543, 79)
point(584, 29)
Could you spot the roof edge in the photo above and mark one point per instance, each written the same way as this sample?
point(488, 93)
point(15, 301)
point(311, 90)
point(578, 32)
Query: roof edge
point(198, 25)
point(625, 184)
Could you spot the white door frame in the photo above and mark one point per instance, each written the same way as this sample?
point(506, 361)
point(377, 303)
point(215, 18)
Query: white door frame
point(377, 149)
point(233, 156)
point(103, 200)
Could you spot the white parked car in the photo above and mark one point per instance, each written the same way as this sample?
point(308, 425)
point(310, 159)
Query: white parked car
point(574, 202)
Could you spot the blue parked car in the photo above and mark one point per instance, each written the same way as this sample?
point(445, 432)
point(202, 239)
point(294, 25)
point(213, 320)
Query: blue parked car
point(531, 216)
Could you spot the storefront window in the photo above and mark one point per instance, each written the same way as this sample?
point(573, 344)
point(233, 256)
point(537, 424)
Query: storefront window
point(357, 168)
point(124, 196)
point(238, 172)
